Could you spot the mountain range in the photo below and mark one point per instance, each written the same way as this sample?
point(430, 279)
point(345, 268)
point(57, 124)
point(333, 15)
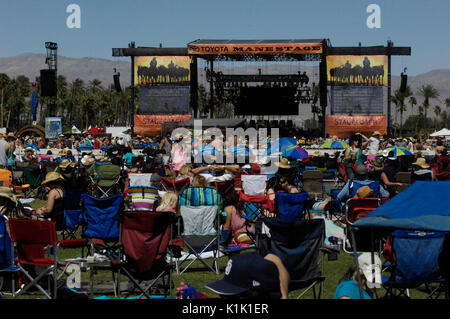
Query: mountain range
point(87, 69)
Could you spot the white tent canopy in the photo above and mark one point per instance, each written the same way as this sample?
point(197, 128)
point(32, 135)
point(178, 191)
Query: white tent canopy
point(75, 130)
point(443, 132)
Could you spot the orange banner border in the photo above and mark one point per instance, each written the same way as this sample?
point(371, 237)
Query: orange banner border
point(287, 48)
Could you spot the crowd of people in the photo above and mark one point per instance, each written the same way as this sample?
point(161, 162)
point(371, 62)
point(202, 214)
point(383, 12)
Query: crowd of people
point(364, 162)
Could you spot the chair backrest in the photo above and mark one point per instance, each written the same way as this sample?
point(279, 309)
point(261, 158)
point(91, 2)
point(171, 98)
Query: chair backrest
point(5, 244)
point(403, 177)
point(296, 243)
point(143, 179)
point(199, 220)
point(290, 207)
point(416, 256)
point(224, 187)
point(176, 186)
point(145, 238)
point(360, 207)
point(200, 196)
point(143, 197)
point(5, 177)
point(31, 237)
point(33, 175)
point(254, 184)
point(355, 185)
point(312, 181)
point(262, 200)
point(102, 216)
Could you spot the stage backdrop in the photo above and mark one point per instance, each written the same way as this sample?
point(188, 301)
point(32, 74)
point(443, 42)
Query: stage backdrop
point(151, 125)
point(357, 83)
point(164, 84)
point(345, 126)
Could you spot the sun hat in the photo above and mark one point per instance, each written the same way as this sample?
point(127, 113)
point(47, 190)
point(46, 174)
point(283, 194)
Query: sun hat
point(87, 160)
point(378, 164)
point(316, 153)
point(11, 134)
point(7, 192)
point(376, 133)
point(364, 192)
point(284, 163)
point(247, 271)
point(372, 271)
point(65, 163)
point(53, 177)
point(62, 152)
point(421, 162)
point(29, 149)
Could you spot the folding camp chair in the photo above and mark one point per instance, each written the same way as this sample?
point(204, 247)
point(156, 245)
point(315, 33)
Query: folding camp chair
point(30, 239)
point(312, 182)
point(33, 177)
point(145, 241)
point(254, 184)
point(101, 220)
point(73, 213)
point(224, 187)
point(175, 186)
point(8, 270)
point(141, 179)
point(107, 180)
point(199, 210)
point(413, 257)
point(298, 245)
point(6, 180)
point(404, 178)
point(291, 206)
point(356, 208)
point(143, 197)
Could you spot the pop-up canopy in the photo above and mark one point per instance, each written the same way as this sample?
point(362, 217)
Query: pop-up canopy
point(422, 206)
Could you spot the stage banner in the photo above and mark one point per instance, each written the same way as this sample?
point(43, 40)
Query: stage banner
point(260, 48)
point(168, 70)
point(53, 127)
point(346, 125)
point(151, 125)
point(370, 70)
point(355, 100)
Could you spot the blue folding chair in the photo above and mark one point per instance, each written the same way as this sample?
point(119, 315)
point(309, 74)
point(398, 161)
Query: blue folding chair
point(290, 206)
point(101, 218)
point(72, 214)
point(413, 261)
point(7, 269)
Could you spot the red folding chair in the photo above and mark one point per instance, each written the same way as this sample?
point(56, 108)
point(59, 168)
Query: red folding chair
point(224, 187)
point(175, 186)
point(357, 208)
point(31, 240)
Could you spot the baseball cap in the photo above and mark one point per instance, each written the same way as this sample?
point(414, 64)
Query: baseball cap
point(365, 264)
point(247, 271)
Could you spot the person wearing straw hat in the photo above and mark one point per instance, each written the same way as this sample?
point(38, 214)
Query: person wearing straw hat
point(54, 210)
point(421, 170)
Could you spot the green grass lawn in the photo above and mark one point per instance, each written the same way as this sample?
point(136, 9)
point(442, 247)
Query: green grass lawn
point(333, 271)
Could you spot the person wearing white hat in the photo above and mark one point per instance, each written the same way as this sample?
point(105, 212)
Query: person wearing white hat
point(29, 155)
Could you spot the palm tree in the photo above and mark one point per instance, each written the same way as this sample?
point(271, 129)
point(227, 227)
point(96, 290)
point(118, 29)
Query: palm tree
point(447, 105)
point(61, 95)
point(412, 102)
point(428, 92)
point(4, 85)
point(437, 112)
point(75, 93)
point(399, 100)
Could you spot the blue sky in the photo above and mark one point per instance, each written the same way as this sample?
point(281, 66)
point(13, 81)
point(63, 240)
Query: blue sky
point(424, 25)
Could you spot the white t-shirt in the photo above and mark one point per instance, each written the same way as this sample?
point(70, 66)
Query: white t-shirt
point(223, 178)
point(374, 145)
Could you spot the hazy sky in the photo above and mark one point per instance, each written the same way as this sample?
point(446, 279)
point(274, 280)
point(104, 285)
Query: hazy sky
point(424, 25)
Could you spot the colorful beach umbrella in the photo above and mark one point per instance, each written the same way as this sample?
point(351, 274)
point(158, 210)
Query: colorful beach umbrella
point(295, 153)
point(239, 151)
point(281, 145)
point(334, 144)
point(398, 151)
